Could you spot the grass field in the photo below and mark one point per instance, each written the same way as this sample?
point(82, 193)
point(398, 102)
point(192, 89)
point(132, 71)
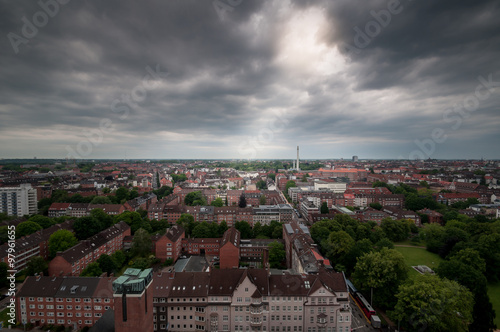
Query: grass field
point(494, 294)
point(419, 256)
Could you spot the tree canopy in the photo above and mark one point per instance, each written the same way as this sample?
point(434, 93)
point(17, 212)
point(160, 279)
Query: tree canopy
point(60, 241)
point(276, 254)
point(384, 271)
point(195, 198)
point(141, 244)
point(27, 228)
point(434, 304)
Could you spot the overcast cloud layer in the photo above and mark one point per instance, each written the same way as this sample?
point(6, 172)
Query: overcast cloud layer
point(250, 79)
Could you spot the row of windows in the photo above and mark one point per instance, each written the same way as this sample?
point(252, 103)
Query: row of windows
point(68, 307)
point(68, 299)
point(277, 308)
point(68, 314)
point(61, 321)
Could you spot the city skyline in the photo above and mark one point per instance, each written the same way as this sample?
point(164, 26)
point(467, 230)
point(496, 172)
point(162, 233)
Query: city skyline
point(250, 80)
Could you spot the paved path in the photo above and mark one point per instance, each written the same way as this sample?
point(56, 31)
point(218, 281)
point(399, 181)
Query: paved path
point(409, 246)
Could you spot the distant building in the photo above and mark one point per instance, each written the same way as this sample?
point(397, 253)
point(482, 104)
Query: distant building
point(18, 201)
point(354, 158)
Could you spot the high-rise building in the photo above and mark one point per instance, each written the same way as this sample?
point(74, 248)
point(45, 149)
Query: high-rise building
point(354, 158)
point(18, 201)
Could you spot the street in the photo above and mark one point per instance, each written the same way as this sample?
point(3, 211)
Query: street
point(359, 322)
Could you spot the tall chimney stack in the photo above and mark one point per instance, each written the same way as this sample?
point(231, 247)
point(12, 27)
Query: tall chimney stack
point(297, 164)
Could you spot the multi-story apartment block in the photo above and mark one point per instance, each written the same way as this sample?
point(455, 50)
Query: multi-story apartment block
point(70, 301)
point(250, 299)
point(72, 261)
point(169, 245)
point(208, 246)
point(83, 209)
point(267, 213)
point(18, 201)
point(36, 244)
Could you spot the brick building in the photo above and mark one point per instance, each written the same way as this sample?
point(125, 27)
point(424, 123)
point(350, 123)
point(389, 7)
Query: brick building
point(133, 299)
point(36, 244)
point(72, 261)
point(230, 249)
point(169, 245)
point(70, 301)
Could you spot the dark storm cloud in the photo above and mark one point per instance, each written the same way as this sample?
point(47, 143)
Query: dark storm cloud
point(227, 78)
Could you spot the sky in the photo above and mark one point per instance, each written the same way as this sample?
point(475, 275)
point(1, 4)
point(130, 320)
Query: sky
point(249, 79)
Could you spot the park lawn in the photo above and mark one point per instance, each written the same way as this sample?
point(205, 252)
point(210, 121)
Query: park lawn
point(494, 294)
point(419, 256)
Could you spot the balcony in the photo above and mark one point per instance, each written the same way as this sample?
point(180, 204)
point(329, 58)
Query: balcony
point(256, 322)
point(256, 312)
point(321, 320)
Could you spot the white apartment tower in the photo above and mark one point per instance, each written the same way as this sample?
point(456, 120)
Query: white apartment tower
point(18, 201)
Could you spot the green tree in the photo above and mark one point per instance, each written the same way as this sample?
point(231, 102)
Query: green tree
point(276, 254)
point(244, 228)
point(376, 206)
point(396, 230)
point(340, 242)
point(107, 264)
point(424, 184)
point(218, 202)
point(141, 263)
point(262, 200)
point(222, 228)
point(382, 272)
point(92, 270)
point(141, 244)
point(272, 176)
point(434, 304)
point(324, 208)
point(133, 219)
point(121, 194)
point(119, 258)
point(289, 184)
point(186, 221)
point(27, 228)
point(106, 190)
point(101, 200)
point(195, 198)
point(243, 202)
point(60, 241)
point(261, 185)
point(488, 246)
point(35, 265)
point(434, 237)
point(256, 230)
point(459, 269)
point(43, 221)
point(176, 178)
point(360, 248)
point(201, 230)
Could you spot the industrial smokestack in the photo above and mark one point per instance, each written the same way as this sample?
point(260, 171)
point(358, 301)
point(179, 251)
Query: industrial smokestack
point(297, 164)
